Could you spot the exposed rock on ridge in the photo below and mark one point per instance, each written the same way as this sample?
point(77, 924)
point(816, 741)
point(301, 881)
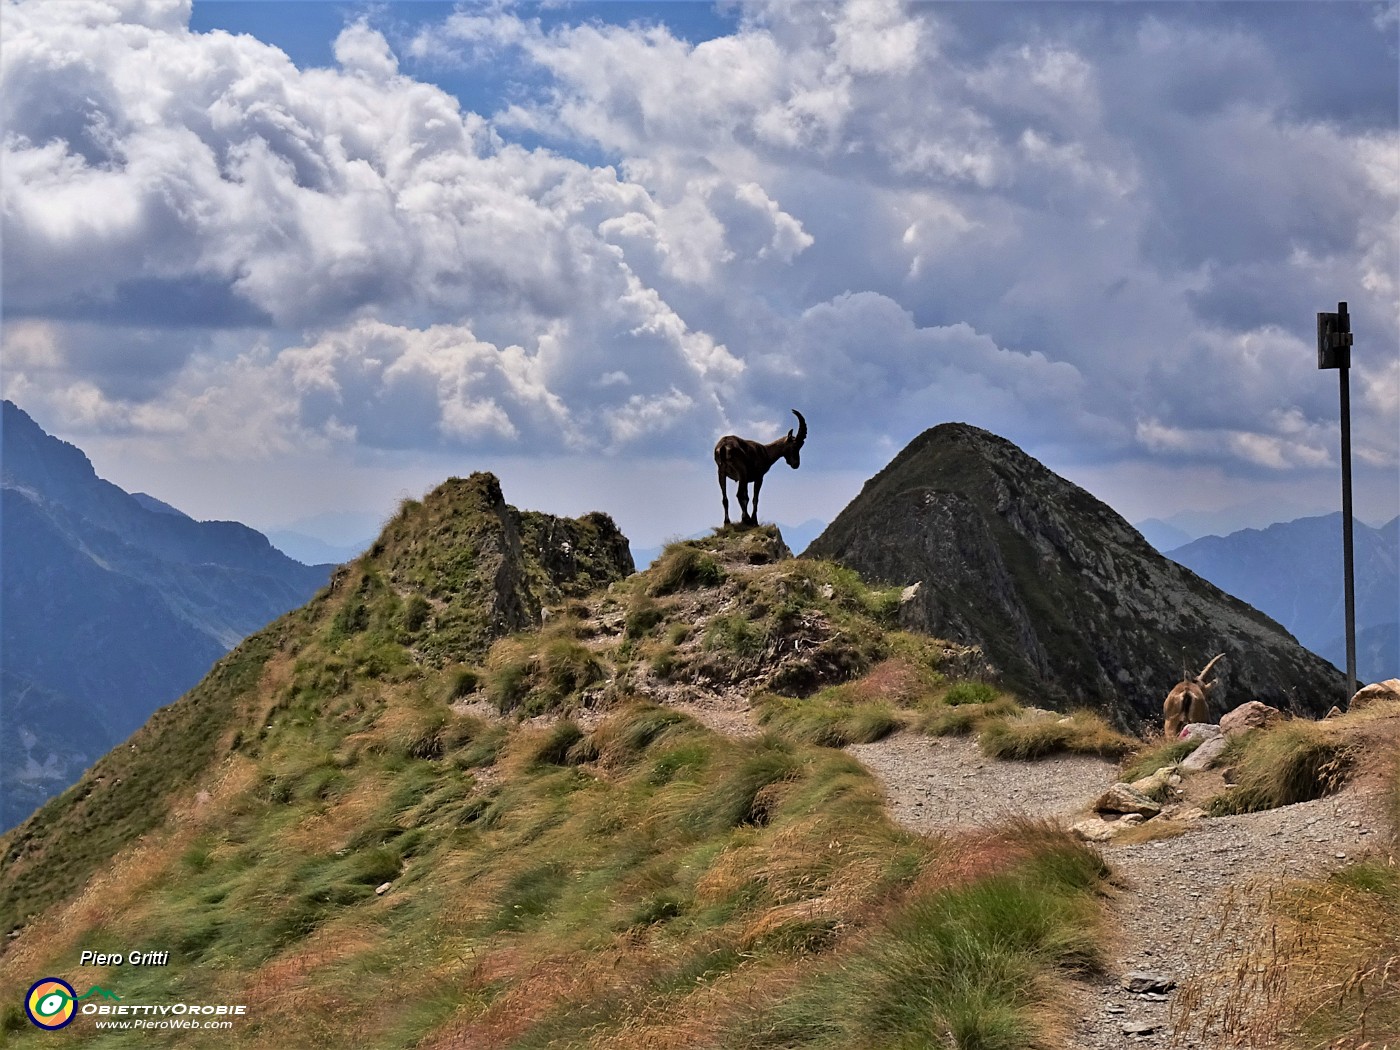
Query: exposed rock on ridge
point(484, 568)
point(1069, 602)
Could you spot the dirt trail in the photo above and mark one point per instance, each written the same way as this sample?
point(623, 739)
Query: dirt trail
point(944, 783)
point(1173, 913)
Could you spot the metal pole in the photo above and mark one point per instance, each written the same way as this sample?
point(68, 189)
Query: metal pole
point(1347, 562)
point(1334, 342)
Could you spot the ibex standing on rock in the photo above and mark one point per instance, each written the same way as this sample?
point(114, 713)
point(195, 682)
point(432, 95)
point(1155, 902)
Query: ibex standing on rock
point(1187, 701)
point(746, 461)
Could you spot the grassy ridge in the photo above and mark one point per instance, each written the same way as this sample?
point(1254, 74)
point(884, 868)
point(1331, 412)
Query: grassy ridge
point(131, 790)
point(397, 819)
point(332, 843)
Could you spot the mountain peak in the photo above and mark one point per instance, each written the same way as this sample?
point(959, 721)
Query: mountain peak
point(1068, 600)
point(37, 460)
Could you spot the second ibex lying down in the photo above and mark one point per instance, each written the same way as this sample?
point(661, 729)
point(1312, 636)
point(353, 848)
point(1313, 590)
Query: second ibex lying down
point(747, 461)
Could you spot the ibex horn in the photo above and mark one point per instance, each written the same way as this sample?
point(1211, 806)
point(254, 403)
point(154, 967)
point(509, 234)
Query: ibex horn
point(1206, 669)
point(801, 427)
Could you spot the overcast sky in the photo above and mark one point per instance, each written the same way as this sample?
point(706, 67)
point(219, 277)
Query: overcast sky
point(266, 260)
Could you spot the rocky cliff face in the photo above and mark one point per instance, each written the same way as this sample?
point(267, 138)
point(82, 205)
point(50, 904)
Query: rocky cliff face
point(1069, 602)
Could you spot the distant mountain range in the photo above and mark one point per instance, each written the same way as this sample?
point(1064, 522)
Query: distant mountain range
point(312, 550)
point(1163, 535)
point(1293, 572)
point(335, 536)
point(111, 605)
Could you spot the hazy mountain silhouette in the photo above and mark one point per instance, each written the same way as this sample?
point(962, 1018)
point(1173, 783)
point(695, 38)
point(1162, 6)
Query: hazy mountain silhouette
point(1293, 572)
point(111, 605)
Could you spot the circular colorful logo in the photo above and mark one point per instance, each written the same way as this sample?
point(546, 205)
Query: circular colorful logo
point(50, 1003)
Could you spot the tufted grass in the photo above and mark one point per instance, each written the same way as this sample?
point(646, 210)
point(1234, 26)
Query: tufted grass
point(961, 964)
point(682, 567)
point(970, 693)
point(1153, 755)
point(1293, 761)
point(942, 720)
point(825, 723)
point(534, 672)
point(1080, 733)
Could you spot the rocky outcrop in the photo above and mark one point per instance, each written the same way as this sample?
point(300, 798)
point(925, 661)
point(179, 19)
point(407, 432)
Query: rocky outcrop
point(1067, 600)
point(1205, 755)
point(1124, 799)
point(485, 569)
point(575, 555)
point(1247, 717)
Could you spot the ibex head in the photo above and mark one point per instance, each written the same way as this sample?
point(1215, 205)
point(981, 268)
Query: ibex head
point(794, 443)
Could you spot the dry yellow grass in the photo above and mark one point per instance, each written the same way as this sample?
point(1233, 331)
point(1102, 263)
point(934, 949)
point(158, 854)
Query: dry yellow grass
point(329, 829)
point(119, 894)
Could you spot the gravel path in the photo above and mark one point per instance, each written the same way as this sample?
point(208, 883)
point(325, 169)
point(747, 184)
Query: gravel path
point(1175, 911)
point(1177, 915)
point(944, 783)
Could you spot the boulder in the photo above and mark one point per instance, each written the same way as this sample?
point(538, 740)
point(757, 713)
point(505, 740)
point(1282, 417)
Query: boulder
point(1159, 784)
point(1205, 755)
point(1253, 715)
point(1124, 798)
point(1095, 829)
point(1199, 731)
point(1369, 694)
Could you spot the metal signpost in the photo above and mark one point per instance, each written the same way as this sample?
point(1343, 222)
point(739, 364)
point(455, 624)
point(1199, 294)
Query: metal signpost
point(1334, 351)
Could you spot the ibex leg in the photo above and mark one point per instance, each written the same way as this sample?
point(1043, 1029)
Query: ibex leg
point(724, 495)
point(743, 502)
point(757, 484)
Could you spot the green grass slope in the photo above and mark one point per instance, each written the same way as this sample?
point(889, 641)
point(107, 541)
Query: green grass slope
point(410, 815)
